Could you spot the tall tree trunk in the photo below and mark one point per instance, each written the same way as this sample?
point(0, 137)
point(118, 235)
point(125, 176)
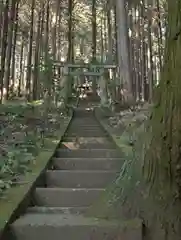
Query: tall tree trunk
point(162, 162)
point(37, 54)
point(160, 35)
point(102, 41)
point(94, 43)
point(47, 29)
point(54, 37)
point(58, 54)
point(29, 63)
point(70, 31)
point(9, 49)
point(94, 31)
point(115, 35)
point(4, 46)
point(2, 8)
point(110, 38)
point(42, 31)
point(70, 56)
point(132, 52)
point(14, 44)
point(21, 66)
point(143, 54)
point(150, 73)
point(123, 58)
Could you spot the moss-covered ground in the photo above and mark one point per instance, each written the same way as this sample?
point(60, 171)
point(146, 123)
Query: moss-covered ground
point(17, 175)
point(130, 195)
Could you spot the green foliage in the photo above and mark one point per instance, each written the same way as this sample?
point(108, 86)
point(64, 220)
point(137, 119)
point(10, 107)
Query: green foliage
point(23, 128)
point(12, 165)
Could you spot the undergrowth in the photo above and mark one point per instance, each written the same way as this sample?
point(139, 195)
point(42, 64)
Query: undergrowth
point(23, 128)
point(130, 195)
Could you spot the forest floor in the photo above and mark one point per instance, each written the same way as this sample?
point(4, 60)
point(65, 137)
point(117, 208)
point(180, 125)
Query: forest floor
point(126, 128)
point(130, 195)
point(125, 125)
point(26, 131)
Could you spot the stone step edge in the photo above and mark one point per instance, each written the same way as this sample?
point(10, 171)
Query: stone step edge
point(57, 210)
point(81, 171)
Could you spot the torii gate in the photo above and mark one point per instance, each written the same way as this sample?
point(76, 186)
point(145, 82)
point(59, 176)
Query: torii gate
point(86, 70)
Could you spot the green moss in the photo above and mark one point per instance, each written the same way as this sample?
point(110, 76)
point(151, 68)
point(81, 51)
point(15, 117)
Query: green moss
point(130, 195)
point(14, 196)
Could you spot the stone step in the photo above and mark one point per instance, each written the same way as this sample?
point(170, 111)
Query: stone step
point(86, 122)
point(85, 129)
point(97, 140)
point(79, 179)
point(59, 210)
point(66, 197)
point(88, 127)
point(87, 153)
point(73, 227)
point(87, 163)
point(90, 119)
point(83, 133)
point(83, 145)
point(82, 113)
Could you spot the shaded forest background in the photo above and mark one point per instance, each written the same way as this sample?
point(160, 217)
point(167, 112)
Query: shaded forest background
point(36, 33)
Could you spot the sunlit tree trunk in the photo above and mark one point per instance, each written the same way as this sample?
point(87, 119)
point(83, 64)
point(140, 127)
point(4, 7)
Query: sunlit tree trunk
point(143, 54)
point(110, 35)
point(14, 44)
point(59, 39)
point(160, 35)
point(94, 42)
point(68, 81)
point(54, 37)
point(94, 30)
point(47, 79)
point(150, 71)
point(102, 41)
point(123, 59)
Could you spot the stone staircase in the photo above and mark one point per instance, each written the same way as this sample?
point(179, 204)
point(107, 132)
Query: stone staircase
point(84, 164)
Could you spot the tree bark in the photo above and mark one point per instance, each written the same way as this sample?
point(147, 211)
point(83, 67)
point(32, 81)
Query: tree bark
point(14, 44)
point(162, 162)
point(123, 58)
point(4, 46)
point(94, 31)
point(29, 63)
point(37, 55)
point(9, 50)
